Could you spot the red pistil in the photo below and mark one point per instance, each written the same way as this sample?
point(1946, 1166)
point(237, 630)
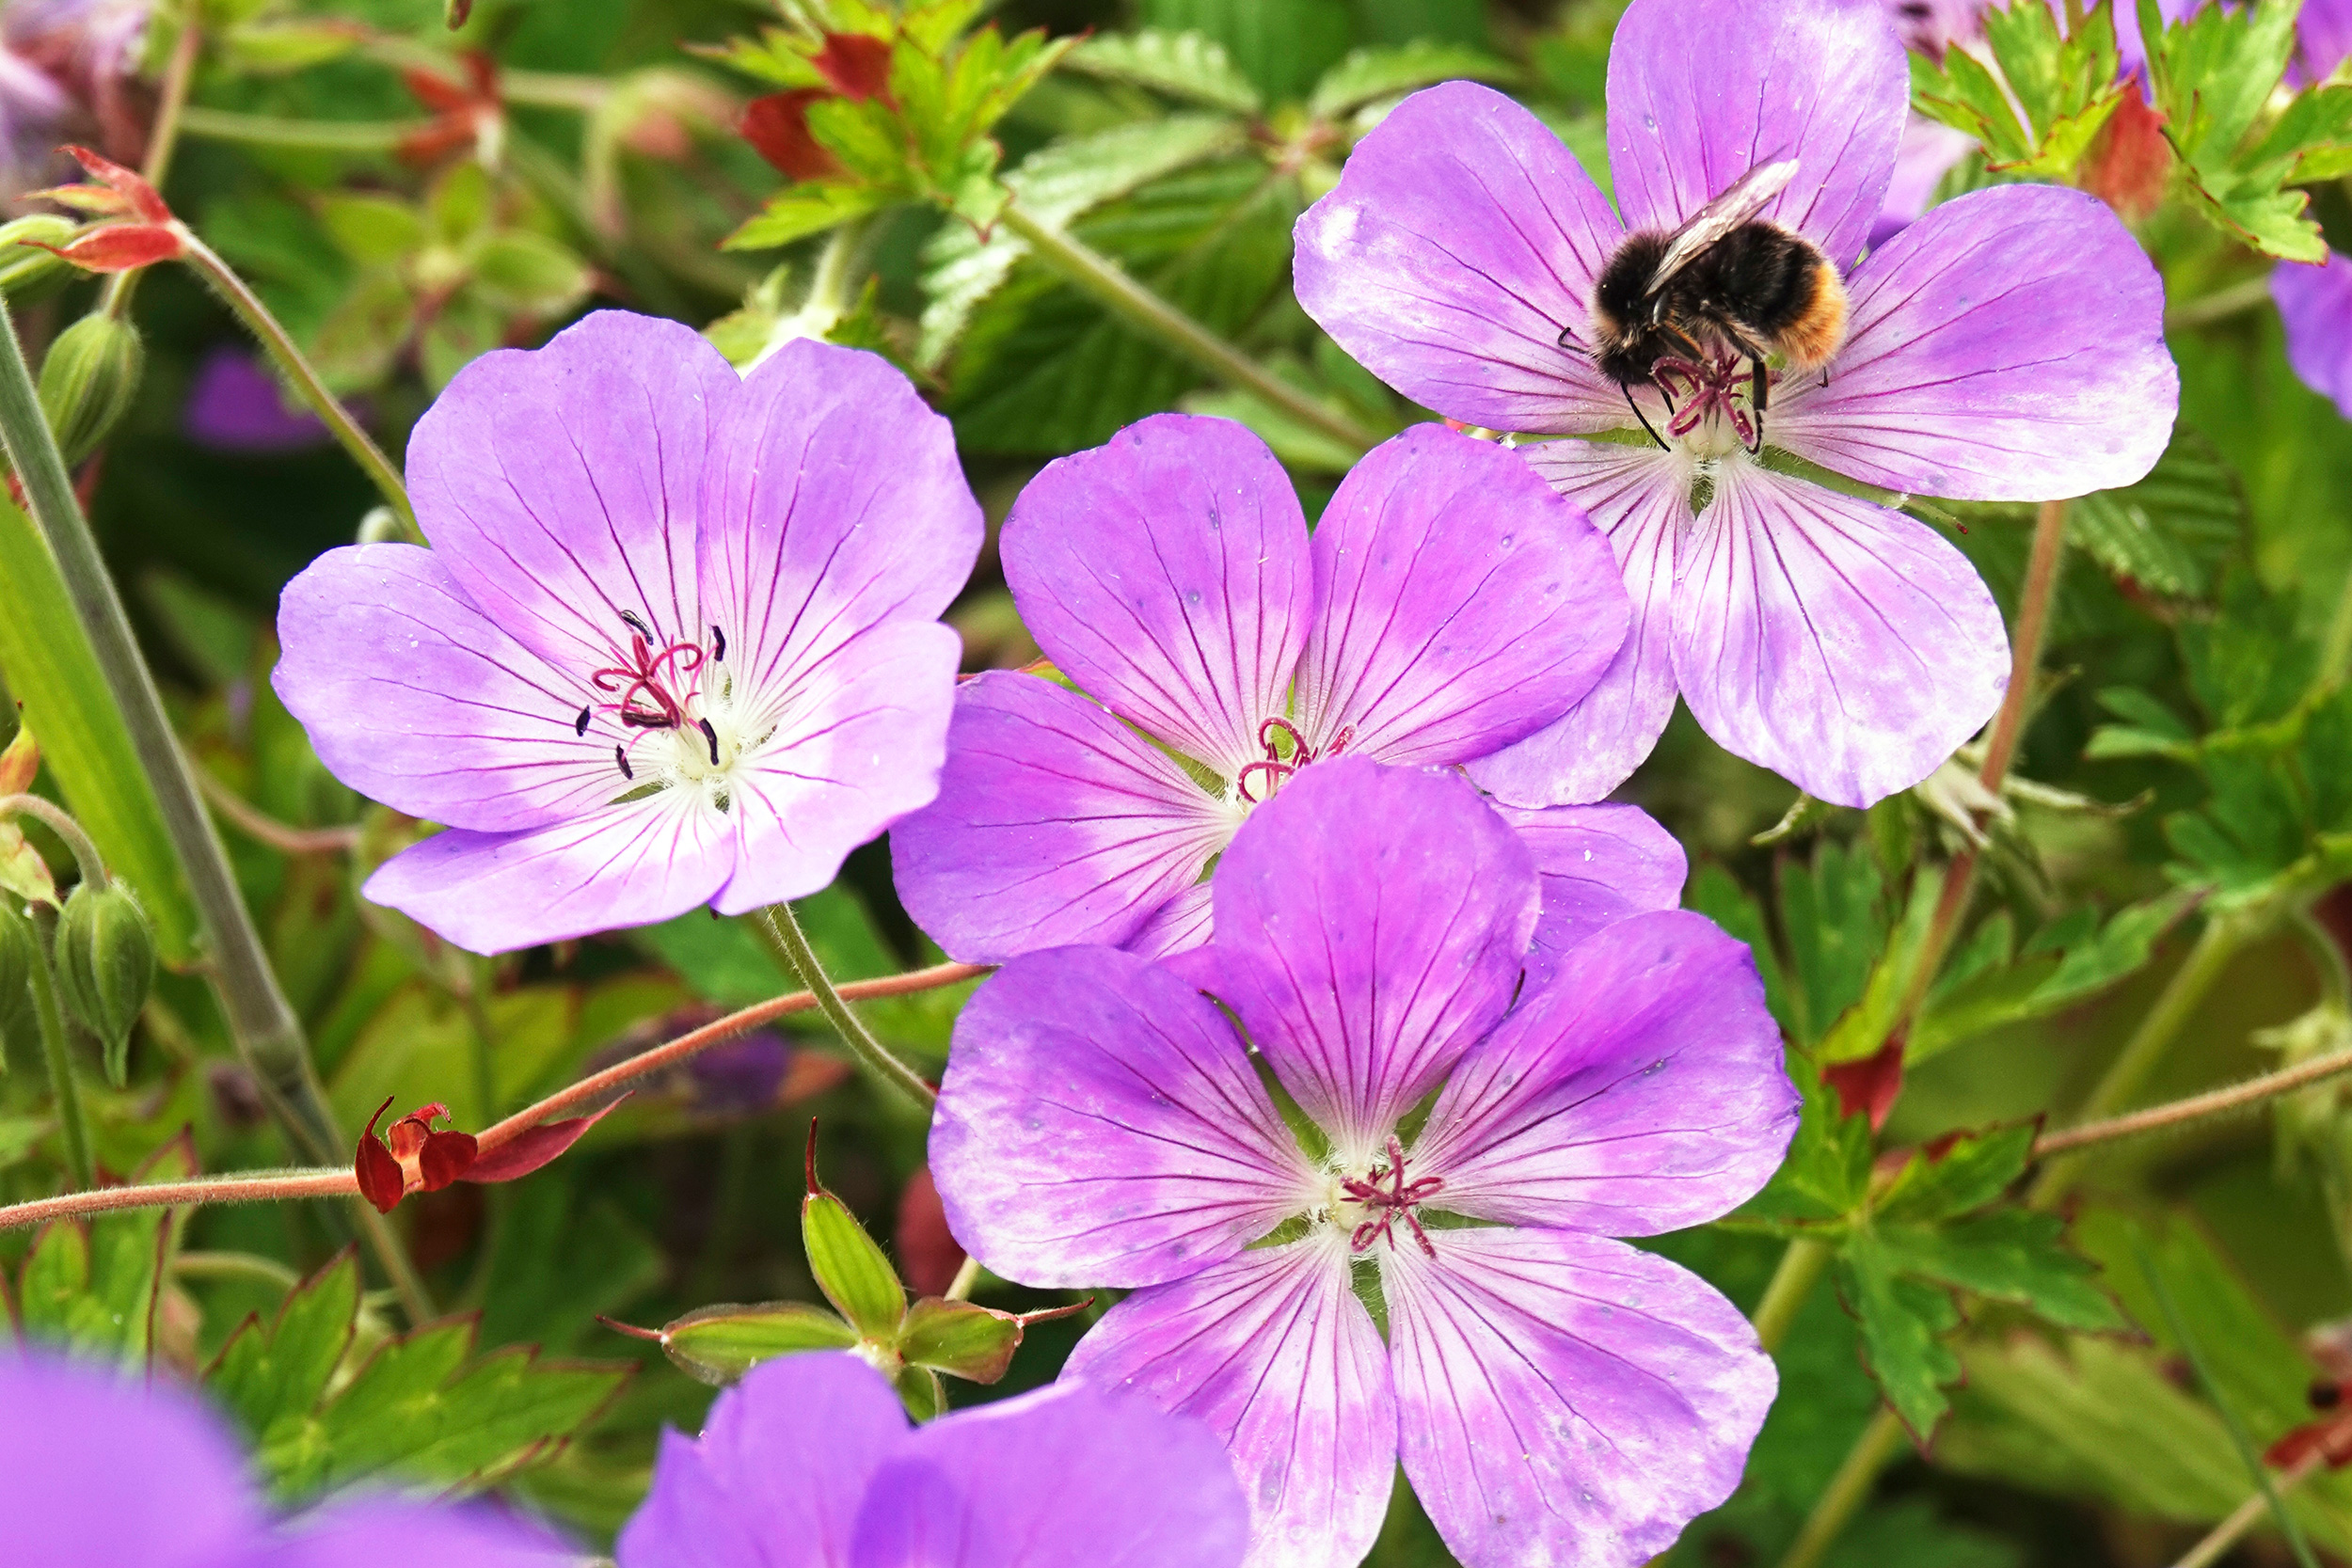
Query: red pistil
point(1391, 1199)
point(1712, 389)
point(1276, 766)
point(652, 676)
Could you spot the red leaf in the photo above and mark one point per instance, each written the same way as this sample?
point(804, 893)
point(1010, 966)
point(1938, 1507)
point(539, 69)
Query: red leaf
point(777, 128)
point(527, 1151)
point(121, 248)
point(857, 66)
point(380, 1180)
point(1870, 1085)
point(437, 94)
point(2130, 161)
point(446, 1156)
point(2330, 1438)
point(927, 1251)
point(144, 202)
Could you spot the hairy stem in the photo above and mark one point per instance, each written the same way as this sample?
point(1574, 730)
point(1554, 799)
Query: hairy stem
point(2237, 1096)
point(72, 1119)
point(315, 136)
point(257, 825)
point(86, 856)
point(2226, 1534)
point(258, 1186)
point(283, 348)
point(1148, 313)
point(236, 1265)
point(782, 928)
point(1800, 1268)
point(1848, 1490)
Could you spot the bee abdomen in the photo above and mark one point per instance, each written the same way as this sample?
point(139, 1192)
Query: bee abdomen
point(1813, 334)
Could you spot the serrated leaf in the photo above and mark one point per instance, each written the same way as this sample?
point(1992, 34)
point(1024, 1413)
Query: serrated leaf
point(1832, 913)
point(957, 1337)
point(811, 207)
point(1282, 45)
point(2212, 76)
point(1369, 74)
point(717, 1344)
point(1971, 1171)
point(92, 1286)
point(1826, 1174)
point(1902, 1323)
point(1056, 186)
point(851, 1270)
point(2174, 530)
point(2011, 1255)
point(2055, 974)
point(264, 1375)
point(1190, 67)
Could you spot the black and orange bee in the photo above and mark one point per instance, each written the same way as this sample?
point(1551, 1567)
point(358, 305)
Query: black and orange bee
point(1726, 285)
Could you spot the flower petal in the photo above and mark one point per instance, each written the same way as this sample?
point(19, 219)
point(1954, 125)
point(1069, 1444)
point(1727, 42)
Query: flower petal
point(776, 1478)
point(861, 749)
point(1167, 574)
point(2008, 346)
point(1181, 924)
point(1641, 1092)
point(623, 865)
point(1640, 497)
point(1700, 91)
point(2316, 305)
point(1066, 1477)
point(1099, 1124)
point(1566, 1399)
point(834, 503)
point(560, 485)
point(1598, 864)
point(114, 1471)
point(353, 1535)
point(413, 698)
point(1371, 922)
point(1846, 647)
point(1273, 1350)
point(1462, 238)
point(1461, 603)
point(1054, 824)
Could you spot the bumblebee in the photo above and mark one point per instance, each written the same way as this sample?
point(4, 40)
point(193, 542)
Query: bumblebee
point(1681, 307)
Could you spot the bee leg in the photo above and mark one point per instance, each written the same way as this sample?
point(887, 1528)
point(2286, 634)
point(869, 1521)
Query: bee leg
point(1628, 389)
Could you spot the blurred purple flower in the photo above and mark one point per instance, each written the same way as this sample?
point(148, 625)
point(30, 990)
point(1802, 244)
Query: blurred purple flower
point(68, 72)
point(1448, 604)
point(101, 1471)
point(2315, 304)
point(808, 1462)
point(676, 643)
point(1555, 1395)
point(2008, 346)
point(742, 1074)
point(235, 405)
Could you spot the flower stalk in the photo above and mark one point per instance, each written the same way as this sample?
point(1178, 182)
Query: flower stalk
point(73, 1120)
point(1103, 280)
point(2237, 1096)
point(1848, 1490)
point(162, 139)
point(1800, 1269)
point(782, 930)
point(86, 857)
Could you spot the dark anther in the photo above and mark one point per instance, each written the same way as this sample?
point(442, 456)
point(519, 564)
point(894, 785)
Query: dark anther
point(717, 646)
point(621, 756)
point(1386, 1194)
point(629, 618)
point(650, 678)
point(2325, 1394)
point(579, 725)
point(712, 735)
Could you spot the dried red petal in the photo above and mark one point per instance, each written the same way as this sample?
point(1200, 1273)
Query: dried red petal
point(438, 92)
point(380, 1180)
point(446, 1156)
point(858, 67)
point(145, 203)
point(927, 1252)
point(777, 128)
point(533, 1147)
point(120, 247)
point(2131, 161)
point(2331, 1439)
point(442, 138)
point(1870, 1085)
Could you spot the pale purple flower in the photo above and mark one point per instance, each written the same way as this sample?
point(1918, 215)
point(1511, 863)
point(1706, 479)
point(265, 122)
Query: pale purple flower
point(99, 1470)
point(1447, 605)
point(2008, 346)
point(235, 405)
point(808, 1462)
point(2316, 305)
point(68, 72)
point(676, 641)
point(1555, 1396)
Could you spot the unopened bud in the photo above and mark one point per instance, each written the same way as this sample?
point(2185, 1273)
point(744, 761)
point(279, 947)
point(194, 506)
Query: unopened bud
point(88, 380)
point(105, 961)
point(24, 267)
point(20, 950)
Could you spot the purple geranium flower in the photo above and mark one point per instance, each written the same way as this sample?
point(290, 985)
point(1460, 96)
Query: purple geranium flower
point(2007, 346)
point(676, 642)
point(2315, 304)
point(235, 405)
point(68, 72)
point(97, 1471)
point(1555, 1395)
point(1447, 605)
point(807, 1463)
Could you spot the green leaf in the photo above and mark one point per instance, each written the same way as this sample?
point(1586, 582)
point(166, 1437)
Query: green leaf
point(851, 1270)
point(521, 271)
point(1717, 895)
point(717, 1344)
point(93, 1288)
point(1370, 74)
point(1826, 1174)
point(956, 1337)
point(811, 207)
point(1282, 45)
point(265, 1376)
point(1056, 186)
point(2212, 76)
point(2066, 87)
point(1967, 1173)
point(2174, 530)
point(2011, 1255)
point(2059, 970)
point(920, 1390)
point(50, 668)
point(1903, 1323)
point(371, 230)
point(1834, 916)
point(1191, 68)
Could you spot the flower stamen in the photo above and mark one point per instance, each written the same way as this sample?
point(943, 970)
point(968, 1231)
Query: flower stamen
point(1277, 765)
point(1386, 1192)
point(1711, 389)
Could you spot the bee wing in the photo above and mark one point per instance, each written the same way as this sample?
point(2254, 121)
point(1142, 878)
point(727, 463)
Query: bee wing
point(1743, 200)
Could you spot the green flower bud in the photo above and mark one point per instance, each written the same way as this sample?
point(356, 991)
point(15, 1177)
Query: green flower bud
point(24, 268)
point(88, 381)
point(105, 961)
point(20, 950)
